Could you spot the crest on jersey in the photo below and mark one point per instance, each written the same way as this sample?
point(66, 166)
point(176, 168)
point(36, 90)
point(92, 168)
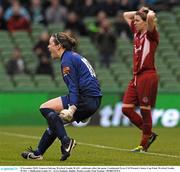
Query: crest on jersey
point(66, 70)
point(145, 100)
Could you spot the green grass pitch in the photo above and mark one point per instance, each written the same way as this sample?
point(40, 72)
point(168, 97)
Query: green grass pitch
point(117, 142)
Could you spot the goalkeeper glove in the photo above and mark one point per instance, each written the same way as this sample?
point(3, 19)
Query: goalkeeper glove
point(67, 114)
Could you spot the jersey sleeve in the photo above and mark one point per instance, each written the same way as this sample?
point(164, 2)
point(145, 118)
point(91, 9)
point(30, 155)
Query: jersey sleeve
point(71, 80)
point(153, 36)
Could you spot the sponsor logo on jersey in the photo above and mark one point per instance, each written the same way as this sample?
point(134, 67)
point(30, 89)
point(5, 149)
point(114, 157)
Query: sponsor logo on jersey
point(66, 70)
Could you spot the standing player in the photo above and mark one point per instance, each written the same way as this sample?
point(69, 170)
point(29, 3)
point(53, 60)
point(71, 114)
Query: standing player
point(142, 89)
point(83, 99)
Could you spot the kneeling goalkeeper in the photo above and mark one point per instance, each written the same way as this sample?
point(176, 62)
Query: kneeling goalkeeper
point(81, 103)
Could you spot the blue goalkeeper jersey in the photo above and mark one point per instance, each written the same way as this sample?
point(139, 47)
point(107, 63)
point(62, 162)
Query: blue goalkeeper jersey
point(79, 77)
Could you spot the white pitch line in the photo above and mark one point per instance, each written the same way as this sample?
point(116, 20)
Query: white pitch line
point(127, 150)
point(92, 145)
point(20, 135)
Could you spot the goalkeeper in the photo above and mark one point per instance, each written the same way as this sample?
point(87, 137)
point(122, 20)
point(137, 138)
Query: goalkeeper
point(82, 102)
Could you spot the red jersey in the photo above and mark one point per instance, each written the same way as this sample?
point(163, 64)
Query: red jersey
point(144, 50)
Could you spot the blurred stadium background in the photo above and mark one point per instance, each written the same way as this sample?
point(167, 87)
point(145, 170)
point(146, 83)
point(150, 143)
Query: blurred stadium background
point(21, 94)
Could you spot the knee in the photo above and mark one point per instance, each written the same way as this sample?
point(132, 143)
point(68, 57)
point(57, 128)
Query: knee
point(128, 111)
point(49, 131)
point(52, 116)
point(125, 110)
point(45, 111)
point(42, 106)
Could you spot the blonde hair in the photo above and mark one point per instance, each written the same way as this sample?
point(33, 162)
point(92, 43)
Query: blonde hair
point(143, 12)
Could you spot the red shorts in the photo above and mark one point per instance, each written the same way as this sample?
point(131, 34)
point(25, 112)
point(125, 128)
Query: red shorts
point(144, 92)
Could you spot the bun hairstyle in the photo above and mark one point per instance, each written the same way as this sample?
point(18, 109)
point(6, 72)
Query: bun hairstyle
point(143, 13)
point(66, 39)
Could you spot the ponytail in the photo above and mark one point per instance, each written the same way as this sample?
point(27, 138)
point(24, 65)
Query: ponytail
point(66, 39)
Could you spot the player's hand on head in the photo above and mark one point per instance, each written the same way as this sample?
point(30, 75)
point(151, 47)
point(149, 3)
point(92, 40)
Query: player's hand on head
point(144, 9)
point(67, 114)
point(151, 13)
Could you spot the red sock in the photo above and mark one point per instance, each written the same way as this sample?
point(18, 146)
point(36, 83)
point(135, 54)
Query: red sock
point(134, 117)
point(144, 140)
point(147, 126)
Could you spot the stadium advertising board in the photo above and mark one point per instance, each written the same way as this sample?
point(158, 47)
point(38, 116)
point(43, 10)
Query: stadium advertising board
point(166, 113)
point(23, 109)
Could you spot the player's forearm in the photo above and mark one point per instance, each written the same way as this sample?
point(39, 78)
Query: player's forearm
point(151, 20)
point(73, 94)
point(129, 16)
point(71, 82)
point(73, 98)
point(151, 15)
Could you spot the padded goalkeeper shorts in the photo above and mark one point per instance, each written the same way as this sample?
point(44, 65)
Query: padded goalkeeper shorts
point(86, 107)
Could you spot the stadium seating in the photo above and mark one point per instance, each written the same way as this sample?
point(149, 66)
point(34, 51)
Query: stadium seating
point(116, 77)
point(24, 83)
point(55, 28)
point(7, 84)
point(6, 44)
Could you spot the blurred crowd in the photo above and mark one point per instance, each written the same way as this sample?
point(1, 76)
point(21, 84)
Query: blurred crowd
point(20, 15)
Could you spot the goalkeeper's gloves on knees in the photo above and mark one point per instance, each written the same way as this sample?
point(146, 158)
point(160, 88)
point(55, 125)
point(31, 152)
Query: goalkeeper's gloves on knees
point(67, 114)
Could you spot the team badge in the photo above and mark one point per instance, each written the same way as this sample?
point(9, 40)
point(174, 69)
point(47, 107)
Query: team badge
point(145, 99)
point(66, 70)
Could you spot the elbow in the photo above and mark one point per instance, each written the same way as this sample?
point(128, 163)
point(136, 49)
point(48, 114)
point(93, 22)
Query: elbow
point(125, 15)
point(151, 15)
point(128, 16)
